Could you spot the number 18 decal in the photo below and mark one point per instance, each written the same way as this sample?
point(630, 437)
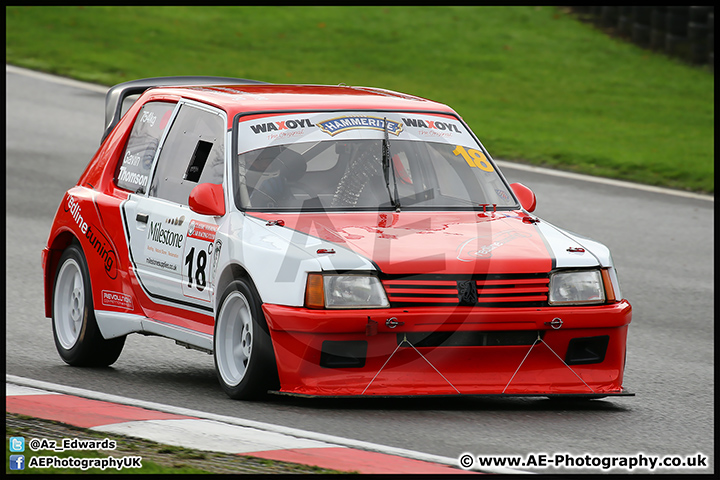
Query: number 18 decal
point(474, 158)
point(198, 248)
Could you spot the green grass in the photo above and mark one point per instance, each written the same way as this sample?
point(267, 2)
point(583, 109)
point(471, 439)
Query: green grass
point(534, 83)
point(155, 458)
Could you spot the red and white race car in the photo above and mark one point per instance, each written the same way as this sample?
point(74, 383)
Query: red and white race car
point(325, 241)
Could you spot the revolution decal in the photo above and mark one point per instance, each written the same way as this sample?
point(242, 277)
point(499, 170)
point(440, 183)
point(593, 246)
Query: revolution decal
point(116, 300)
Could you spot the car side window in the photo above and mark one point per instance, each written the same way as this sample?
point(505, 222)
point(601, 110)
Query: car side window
point(134, 170)
point(193, 153)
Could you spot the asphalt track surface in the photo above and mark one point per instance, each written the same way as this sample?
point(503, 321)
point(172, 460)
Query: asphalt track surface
point(662, 244)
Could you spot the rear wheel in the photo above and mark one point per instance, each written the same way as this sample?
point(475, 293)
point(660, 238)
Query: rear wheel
point(77, 337)
point(244, 357)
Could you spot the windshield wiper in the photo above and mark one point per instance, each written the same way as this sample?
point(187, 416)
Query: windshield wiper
point(388, 167)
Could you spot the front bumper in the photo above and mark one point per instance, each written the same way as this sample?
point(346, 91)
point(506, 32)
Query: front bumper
point(450, 351)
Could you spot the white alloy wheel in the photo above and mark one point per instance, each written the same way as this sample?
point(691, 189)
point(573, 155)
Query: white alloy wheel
point(234, 338)
point(77, 337)
point(69, 303)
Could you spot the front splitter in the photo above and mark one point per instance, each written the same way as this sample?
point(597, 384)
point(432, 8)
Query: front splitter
point(579, 396)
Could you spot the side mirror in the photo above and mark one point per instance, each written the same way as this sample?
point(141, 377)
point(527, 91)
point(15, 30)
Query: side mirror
point(207, 199)
point(525, 195)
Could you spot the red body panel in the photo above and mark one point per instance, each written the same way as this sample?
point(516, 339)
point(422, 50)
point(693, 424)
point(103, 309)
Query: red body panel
point(418, 242)
point(298, 335)
point(95, 221)
point(399, 244)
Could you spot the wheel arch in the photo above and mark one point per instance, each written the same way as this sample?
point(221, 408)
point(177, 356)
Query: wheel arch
point(55, 249)
point(231, 272)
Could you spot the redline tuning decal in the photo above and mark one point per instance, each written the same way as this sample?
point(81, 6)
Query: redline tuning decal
point(97, 240)
point(343, 124)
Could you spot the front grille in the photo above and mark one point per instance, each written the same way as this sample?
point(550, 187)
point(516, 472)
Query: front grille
point(468, 339)
point(494, 290)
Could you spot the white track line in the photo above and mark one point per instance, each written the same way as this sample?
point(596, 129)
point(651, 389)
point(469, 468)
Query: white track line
point(501, 163)
point(268, 427)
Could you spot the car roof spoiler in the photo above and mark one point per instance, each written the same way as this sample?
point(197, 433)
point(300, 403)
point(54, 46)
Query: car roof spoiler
point(117, 94)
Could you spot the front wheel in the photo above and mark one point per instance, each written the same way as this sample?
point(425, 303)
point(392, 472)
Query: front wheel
point(77, 337)
point(244, 357)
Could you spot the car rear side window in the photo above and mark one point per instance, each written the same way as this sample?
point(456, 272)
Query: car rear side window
point(193, 153)
point(134, 171)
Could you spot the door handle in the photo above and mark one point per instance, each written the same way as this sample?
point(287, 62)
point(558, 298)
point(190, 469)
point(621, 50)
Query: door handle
point(142, 217)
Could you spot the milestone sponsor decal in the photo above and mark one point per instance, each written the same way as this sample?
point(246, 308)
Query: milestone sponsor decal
point(97, 240)
point(342, 124)
point(202, 231)
point(158, 234)
point(116, 299)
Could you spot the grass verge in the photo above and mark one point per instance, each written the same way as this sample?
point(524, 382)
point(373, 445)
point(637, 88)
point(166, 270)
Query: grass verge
point(534, 83)
point(155, 458)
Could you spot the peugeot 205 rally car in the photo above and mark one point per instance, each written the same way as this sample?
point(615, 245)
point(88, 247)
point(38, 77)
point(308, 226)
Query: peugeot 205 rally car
point(325, 241)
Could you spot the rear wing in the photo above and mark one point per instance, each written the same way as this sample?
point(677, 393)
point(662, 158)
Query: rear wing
point(117, 94)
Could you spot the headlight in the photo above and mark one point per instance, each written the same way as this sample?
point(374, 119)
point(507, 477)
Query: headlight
point(581, 287)
point(345, 291)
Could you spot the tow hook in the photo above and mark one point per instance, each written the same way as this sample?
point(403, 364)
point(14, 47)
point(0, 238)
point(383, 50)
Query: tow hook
point(393, 322)
point(555, 324)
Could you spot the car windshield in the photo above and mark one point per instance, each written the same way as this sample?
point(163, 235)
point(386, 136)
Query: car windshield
point(331, 161)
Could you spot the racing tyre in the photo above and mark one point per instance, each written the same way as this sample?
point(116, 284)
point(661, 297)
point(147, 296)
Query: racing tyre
point(77, 337)
point(244, 356)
